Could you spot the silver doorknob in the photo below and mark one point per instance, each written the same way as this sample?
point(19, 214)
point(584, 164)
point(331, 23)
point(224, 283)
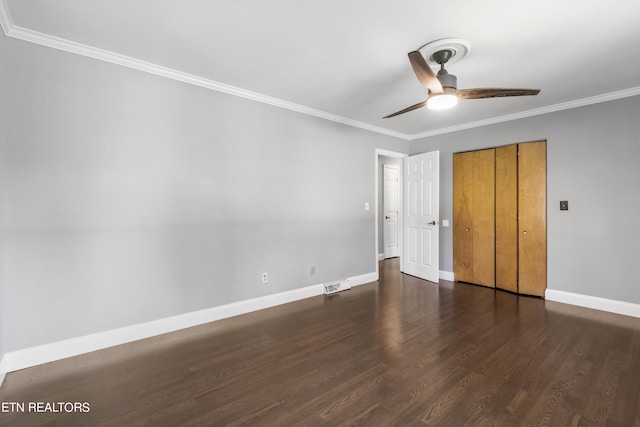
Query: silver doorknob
point(467, 229)
point(524, 232)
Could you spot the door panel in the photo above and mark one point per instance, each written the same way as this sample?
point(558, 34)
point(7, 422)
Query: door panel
point(391, 239)
point(421, 216)
point(427, 192)
point(532, 228)
point(412, 197)
point(462, 208)
point(484, 217)
point(390, 210)
point(507, 218)
point(412, 242)
point(474, 217)
point(427, 243)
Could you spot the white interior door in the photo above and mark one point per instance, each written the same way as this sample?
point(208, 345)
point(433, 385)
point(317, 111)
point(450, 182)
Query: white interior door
point(422, 205)
point(390, 193)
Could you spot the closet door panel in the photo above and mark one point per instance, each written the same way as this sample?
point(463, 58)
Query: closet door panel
point(532, 228)
point(507, 218)
point(462, 208)
point(483, 217)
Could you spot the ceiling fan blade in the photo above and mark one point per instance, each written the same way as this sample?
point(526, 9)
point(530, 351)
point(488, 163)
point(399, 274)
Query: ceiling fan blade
point(479, 93)
point(406, 110)
point(424, 73)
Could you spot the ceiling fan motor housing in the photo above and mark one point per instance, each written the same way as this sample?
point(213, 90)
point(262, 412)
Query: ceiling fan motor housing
point(448, 81)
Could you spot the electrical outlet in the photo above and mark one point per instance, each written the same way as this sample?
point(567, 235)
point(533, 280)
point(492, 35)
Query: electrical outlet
point(312, 270)
point(265, 277)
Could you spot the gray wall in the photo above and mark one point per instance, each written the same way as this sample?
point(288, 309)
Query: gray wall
point(131, 197)
point(3, 143)
point(593, 158)
point(383, 160)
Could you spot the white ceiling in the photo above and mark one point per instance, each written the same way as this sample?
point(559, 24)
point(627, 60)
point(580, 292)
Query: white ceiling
point(349, 58)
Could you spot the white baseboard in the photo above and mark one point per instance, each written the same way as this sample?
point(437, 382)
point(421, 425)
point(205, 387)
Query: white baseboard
point(363, 279)
point(3, 369)
point(46, 353)
point(380, 257)
point(37, 355)
point(446, 275)
point(604, 304)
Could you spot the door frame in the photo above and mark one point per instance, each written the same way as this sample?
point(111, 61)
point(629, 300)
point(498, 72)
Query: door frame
point(395, 154)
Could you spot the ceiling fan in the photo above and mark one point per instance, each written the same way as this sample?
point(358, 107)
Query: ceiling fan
point(443, 88)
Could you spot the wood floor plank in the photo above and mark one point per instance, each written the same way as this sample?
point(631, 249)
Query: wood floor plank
point(398, 352)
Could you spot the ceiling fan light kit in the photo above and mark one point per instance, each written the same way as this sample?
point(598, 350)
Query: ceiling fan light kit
point(442, 101)
point(442, 89)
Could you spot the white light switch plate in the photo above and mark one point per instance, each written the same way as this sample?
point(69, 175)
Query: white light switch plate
point(445, 222)
point(366, 206)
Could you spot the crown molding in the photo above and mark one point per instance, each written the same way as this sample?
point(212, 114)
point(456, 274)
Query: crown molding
point(54, 42)
point(5, 18)
point(530, 113)
point(25, 34)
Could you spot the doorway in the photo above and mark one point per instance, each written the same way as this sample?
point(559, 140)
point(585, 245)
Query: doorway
point(395, 159)
point(417, 246)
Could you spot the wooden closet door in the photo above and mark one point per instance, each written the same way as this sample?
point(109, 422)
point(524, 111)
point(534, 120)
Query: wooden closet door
point(484, 249)
point(474, 217)
point(532, 227)
point(462, 210)
point(507, 218)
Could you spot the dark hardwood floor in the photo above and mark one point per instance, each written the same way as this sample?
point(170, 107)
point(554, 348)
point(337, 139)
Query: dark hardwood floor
point(402, 352)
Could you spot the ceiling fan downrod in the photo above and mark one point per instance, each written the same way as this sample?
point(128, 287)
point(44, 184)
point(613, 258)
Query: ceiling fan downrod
point(449, 81)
